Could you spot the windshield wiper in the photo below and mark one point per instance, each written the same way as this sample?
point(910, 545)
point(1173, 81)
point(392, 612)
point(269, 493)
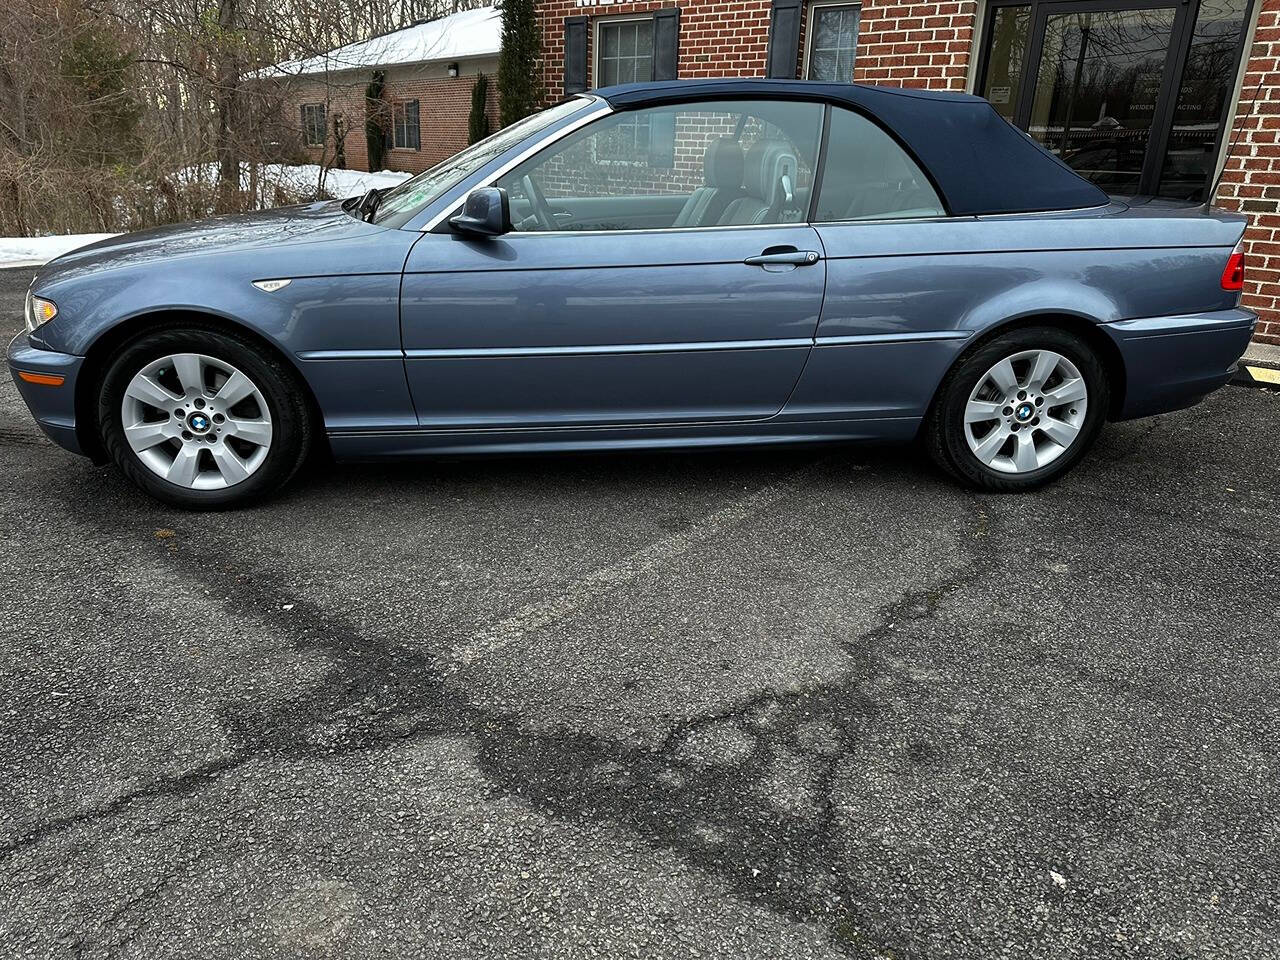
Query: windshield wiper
point(369, 205)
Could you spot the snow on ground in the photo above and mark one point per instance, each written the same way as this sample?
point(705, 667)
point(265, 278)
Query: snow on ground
point(304, 178)
point(337, 183)
point(33, 251)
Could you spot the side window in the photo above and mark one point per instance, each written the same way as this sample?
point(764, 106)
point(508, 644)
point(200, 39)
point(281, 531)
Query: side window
point(313, 124)
point(867, 176)
point(404, 125)
point(690, 165)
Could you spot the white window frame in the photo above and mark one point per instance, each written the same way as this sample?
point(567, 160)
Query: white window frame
point(597, 46)
point(809, 31)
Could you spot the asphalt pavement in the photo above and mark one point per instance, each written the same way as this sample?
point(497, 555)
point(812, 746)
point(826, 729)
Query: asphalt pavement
point(819, 703)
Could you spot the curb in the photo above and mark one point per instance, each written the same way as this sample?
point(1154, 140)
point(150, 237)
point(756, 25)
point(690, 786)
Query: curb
point(1251, 375)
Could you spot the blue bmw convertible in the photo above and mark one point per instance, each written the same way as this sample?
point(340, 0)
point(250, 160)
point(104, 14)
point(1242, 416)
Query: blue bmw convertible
point(655, 265)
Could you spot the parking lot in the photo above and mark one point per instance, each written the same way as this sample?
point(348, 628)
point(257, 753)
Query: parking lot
point(817, 703)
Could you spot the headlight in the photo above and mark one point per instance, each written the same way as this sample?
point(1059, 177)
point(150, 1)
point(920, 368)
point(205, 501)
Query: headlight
point(39, 311)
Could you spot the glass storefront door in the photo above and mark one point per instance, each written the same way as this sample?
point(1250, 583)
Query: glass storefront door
point(1131, 93)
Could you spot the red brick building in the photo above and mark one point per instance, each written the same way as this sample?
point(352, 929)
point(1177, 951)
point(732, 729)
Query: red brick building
point(1141, 96)
point(428, 72)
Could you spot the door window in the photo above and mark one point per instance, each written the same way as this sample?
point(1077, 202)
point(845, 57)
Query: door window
point(1007, 56)
point(1097, 83)
point(867, 176)
point(691, 165)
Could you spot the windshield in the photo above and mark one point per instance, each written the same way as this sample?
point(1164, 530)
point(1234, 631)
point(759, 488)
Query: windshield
point(400, 203)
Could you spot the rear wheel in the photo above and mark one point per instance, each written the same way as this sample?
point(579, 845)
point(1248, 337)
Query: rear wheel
point(203, 419)
point(1020, 410)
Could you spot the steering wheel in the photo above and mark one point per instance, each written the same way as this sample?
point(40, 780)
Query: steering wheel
point(541, 209)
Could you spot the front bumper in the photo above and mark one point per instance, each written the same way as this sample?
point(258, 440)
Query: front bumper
point(1174, 362)
point(54, 407)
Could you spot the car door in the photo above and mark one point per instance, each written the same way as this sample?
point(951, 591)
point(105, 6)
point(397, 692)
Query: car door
point(597, 309)
point(899, 274)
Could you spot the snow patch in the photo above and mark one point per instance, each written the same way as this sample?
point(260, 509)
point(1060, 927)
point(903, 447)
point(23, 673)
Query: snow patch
point(33, 251)
point(303, 178)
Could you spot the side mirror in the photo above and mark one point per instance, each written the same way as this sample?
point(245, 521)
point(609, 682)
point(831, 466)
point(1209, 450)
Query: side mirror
point(487, 213)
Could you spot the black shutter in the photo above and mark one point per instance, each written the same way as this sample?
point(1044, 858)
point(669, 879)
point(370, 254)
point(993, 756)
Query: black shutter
point(411, 121)
point(666, 43)
point(784, 40)
point(575, 55)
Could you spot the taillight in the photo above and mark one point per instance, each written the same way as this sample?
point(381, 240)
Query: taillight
point(1233, 272)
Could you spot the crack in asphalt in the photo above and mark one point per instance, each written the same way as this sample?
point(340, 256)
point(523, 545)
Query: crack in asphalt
point(722, 817)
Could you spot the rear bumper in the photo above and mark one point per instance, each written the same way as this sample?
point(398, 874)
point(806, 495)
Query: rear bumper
point(53, 406)
point(1173, 362)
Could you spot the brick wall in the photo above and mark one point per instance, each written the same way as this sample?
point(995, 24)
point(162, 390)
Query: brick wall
point(916, 44)
point(1251, 181)
point(908, 44)
point(718, 38)
point(444, 105)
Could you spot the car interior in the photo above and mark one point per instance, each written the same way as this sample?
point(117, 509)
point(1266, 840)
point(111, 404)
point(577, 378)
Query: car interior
point(705, 165)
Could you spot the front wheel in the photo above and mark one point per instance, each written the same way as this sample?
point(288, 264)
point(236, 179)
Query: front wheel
point(203, 419)
point(1019, 411)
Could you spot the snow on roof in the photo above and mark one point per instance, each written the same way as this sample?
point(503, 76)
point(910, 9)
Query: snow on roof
point(468, 33)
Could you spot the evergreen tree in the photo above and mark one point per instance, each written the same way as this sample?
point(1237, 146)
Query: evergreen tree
point(478, 121)
point(375, 120)
point(519, 92)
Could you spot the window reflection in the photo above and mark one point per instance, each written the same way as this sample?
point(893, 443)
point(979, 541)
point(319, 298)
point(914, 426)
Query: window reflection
point(1010, 33)
point(1207, 82)
point(1096, 91)
point(1100, 79)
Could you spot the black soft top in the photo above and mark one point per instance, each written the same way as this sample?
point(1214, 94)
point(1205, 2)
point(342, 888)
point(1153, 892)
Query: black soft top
point(981, 163)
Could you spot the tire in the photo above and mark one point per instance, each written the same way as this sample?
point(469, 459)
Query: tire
point(217, 445)
point(990, 452)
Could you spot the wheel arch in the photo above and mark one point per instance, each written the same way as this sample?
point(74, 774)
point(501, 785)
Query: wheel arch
point(101, 351)
point(1088, 331)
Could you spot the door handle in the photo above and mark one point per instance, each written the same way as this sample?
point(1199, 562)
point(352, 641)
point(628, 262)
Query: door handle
point(794, 258)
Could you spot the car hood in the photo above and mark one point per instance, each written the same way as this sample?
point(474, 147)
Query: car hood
point(310, 223)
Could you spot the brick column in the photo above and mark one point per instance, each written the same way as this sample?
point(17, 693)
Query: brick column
point(1251, 181)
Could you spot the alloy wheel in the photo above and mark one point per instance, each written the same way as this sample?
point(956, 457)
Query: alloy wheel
point(1026, 411)
point(196, 421)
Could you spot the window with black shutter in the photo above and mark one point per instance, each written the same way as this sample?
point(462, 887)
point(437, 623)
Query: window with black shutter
point(627, 49)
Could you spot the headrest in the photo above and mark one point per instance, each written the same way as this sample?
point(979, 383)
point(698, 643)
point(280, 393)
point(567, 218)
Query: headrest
point(766, 162)
point(722, 164)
